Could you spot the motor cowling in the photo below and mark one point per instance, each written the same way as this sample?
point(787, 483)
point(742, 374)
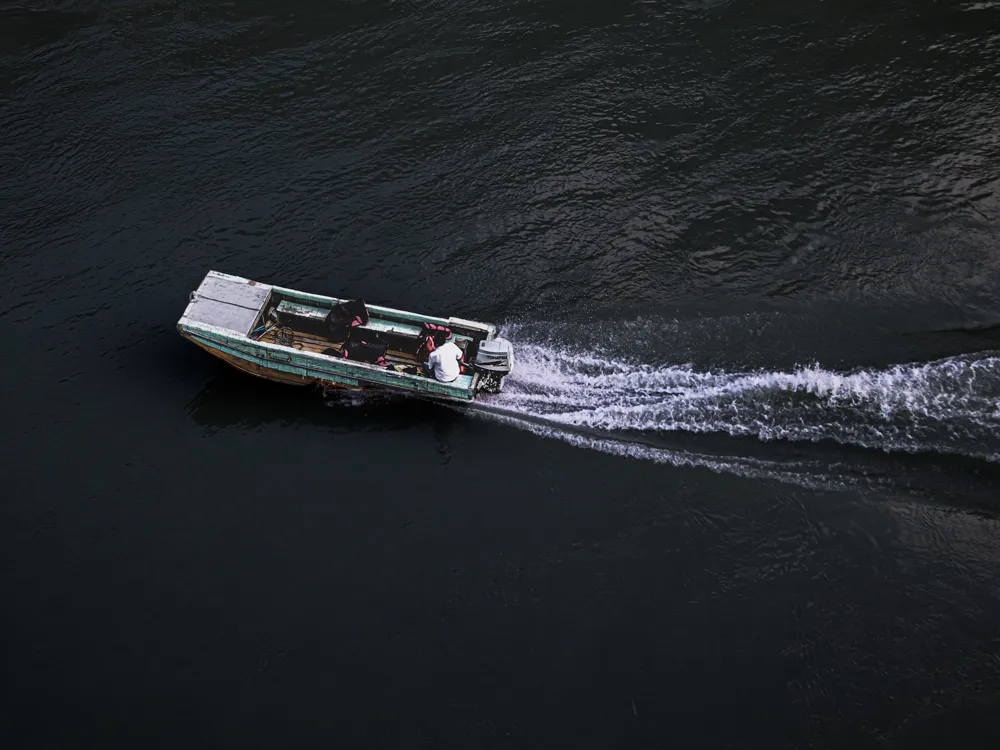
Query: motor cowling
point(494, 360)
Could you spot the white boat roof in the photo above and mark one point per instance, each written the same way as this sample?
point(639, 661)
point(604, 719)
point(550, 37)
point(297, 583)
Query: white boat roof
point(227, 302)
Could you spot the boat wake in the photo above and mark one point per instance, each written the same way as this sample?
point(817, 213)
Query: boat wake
point(951, 406)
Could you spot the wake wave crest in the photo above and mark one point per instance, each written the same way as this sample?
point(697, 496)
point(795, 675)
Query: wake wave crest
point(948, 406)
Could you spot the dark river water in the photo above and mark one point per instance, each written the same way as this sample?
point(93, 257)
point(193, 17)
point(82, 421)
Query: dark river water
point(743, 489)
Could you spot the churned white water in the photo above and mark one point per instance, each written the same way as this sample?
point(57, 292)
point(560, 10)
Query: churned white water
point(949, 406)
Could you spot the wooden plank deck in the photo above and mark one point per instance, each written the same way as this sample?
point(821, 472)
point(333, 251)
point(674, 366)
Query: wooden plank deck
point(399, 361)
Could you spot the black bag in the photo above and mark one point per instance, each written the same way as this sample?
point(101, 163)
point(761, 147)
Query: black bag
point(345, 316)
point(363, 351)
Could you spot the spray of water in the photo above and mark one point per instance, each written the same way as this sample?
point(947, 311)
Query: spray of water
point(805, 473)
point(950, 406)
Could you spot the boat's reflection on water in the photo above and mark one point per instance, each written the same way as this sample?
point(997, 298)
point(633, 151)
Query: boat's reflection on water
point(234, 399)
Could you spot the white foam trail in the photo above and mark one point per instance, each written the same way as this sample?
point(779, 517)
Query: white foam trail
point(948, 406)
point(808, 474)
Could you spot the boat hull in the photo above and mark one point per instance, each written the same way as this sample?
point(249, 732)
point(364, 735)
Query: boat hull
point(286, 374)
point(253, 368)
point(284, 336)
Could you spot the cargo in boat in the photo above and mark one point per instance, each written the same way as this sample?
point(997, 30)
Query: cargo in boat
point(300, 338)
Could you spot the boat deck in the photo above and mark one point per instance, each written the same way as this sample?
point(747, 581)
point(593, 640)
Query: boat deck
point(398, 360)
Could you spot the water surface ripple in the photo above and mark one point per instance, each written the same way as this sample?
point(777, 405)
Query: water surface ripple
point(749, 253)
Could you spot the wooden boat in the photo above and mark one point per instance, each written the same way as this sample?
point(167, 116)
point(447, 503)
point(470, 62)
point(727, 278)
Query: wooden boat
point(294, 337)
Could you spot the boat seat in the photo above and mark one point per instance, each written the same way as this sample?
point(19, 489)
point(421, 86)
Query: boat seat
point(399, 336)
point(287, 311)
point(463, 381)
point(384, 326)
point(300, 317)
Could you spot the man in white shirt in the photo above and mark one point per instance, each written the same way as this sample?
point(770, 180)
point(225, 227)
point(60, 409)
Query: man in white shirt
point(444, 362)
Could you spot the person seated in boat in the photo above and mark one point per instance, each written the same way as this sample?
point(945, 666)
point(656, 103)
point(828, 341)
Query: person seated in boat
point(445, 361)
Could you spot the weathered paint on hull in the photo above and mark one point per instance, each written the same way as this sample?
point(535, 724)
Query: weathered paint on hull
point(253, 368)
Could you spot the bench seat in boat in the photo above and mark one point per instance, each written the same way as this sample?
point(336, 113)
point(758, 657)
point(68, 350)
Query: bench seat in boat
point(314, 319)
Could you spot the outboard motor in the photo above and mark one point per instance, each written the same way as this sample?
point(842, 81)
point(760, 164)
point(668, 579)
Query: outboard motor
point(494, 359)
